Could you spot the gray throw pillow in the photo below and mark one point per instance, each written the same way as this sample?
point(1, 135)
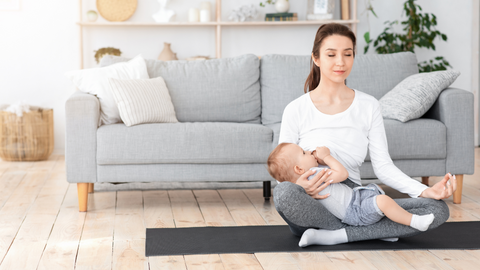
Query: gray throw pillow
point(415, 95)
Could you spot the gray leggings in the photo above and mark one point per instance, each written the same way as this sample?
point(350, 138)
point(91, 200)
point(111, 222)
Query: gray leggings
point(302, 212)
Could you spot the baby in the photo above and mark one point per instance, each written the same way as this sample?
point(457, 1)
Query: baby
point(360, 206)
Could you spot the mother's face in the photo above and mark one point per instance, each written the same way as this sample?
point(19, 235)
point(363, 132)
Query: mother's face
point(335, 58)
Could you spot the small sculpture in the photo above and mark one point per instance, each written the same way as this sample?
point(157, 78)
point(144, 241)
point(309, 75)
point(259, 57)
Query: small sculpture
point(164, 15)
point(243, 13)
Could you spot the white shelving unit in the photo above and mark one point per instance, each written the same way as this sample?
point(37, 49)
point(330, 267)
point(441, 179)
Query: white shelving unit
point(218, 24)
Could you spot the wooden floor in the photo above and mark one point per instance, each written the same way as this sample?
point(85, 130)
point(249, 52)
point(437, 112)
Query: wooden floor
point(41, 228)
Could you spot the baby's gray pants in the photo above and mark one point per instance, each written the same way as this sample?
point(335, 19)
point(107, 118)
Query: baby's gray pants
point(302, 212)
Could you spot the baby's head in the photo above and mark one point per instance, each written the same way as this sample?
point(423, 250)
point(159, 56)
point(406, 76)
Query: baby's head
point(288, 160)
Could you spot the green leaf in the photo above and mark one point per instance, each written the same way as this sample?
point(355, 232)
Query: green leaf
point(367, 37)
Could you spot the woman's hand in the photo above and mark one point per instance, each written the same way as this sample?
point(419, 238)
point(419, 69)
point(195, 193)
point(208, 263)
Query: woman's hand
point(442, 189)
point(314, 186)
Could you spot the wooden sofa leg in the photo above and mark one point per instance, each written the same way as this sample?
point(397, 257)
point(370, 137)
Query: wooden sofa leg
point(90, 187)
point(425, 180)
point(457, 195)
point(267, 190)
point(82, 189)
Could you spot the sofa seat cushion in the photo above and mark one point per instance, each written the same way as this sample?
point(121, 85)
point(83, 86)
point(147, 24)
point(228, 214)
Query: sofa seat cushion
point(183, 143)
point(417, 139)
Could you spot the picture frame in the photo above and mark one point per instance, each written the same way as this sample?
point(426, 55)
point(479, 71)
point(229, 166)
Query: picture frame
point(320, 6)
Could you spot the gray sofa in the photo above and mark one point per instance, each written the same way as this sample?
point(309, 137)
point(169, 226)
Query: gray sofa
point(229, 113)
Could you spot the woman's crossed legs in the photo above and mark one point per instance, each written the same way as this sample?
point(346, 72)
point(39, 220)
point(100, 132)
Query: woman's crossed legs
point(302, 212)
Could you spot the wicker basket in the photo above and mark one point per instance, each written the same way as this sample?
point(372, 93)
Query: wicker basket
point(26, 138)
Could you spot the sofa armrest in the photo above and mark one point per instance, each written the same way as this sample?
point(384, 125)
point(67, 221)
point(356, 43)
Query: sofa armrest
point(454, 108)
point(276, 133)
point(82, 114)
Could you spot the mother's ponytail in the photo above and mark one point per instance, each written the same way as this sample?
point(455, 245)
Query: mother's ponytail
point(313, 78)
point(323, 32)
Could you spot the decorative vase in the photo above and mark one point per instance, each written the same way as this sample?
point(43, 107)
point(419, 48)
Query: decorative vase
point(167, 54)
point(282, 6)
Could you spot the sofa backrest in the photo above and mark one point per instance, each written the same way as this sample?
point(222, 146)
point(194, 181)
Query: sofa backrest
point(283, 77)
point(217, 90)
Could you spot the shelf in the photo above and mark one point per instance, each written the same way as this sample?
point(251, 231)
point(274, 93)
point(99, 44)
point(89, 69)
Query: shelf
point(145, 24)
point(252, 23)
point(260, 23)
point(218, 25)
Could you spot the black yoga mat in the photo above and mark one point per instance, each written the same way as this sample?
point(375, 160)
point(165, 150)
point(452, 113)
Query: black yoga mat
point(253, 239)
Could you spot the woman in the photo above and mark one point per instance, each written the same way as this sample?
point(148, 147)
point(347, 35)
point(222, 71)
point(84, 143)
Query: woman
point(348, 122)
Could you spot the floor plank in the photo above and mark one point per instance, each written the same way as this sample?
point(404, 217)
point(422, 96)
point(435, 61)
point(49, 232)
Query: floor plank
point(265, 208)
point(422, 259)
point(350, 260)
point(204, 262)
point(240, 262)
point(95, 249)
point(186, 211)
point(314, 261)
point(213, 209)
point(167, 263)
point(386, 260)
point(28, 246)
point(129, 232)
point(240, 207)
point(157, 209)
point(9, 180)
point(62, 245)
point(457, 259)
point(277, 261)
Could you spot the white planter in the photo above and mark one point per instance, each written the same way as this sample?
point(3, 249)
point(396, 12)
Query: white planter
point(282, 6)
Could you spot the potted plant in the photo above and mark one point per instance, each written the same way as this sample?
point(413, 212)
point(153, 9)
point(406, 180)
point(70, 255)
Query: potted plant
point(419, 32)
point(280, 5)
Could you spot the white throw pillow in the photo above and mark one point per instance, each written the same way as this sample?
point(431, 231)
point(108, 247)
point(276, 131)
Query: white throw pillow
point(95, 81)
point(415, 95)
point(143, 101)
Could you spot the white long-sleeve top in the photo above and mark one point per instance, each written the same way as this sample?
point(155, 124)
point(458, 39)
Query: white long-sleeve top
point(348, 135)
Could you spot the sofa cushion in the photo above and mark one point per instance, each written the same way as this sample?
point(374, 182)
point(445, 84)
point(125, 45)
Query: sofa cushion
point(416, 139)
point(95, 81)
point(143, 101)
point(415, 95)
point(283, 78)
point(376, 74)
point(207, 142)
point(217, 90)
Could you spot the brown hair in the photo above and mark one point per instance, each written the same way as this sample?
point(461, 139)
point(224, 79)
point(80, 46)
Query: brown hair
point(323, 32)
point(278, 164)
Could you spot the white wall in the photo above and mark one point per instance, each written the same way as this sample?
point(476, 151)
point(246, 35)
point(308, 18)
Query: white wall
point(37, 45)
point(40, 42)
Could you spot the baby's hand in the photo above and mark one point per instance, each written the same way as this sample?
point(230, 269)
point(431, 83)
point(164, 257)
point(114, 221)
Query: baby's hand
point(322, 152)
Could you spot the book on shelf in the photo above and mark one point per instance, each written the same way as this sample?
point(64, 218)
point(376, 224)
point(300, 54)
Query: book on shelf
point(281, 17)
point(283, 14)
point(345, 6)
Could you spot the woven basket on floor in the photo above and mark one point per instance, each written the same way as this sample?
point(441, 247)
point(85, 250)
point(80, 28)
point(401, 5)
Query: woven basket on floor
point(26, 138)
